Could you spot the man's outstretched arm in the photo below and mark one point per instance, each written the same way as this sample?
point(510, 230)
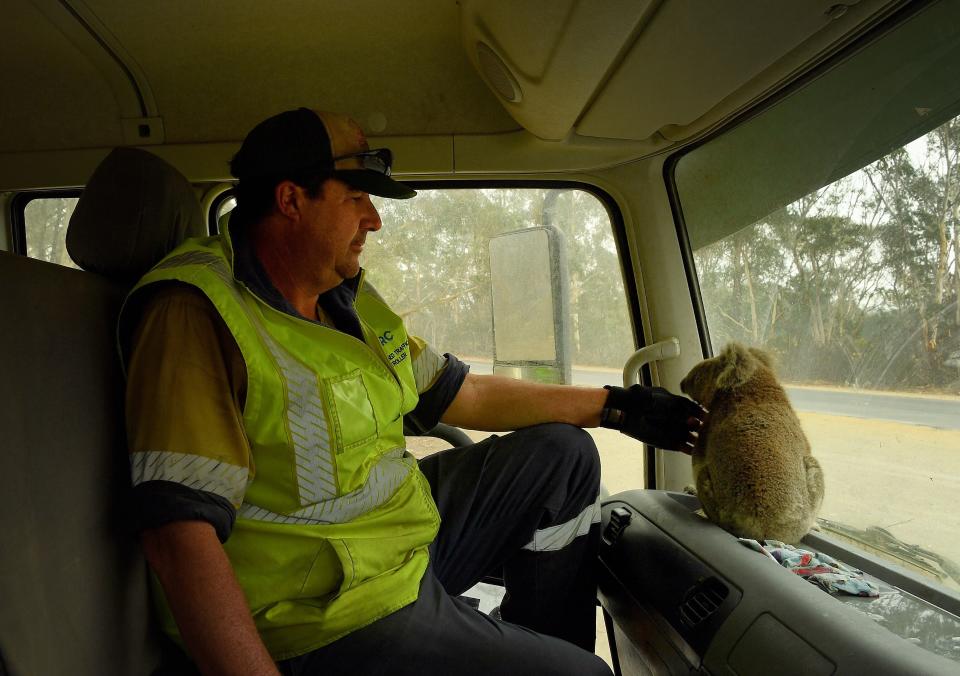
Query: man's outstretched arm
point(650, 414)
point(496, 404)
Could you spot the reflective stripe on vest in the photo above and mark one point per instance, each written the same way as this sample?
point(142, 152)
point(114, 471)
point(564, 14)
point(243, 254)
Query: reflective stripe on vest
point(316, 476)
point(384, 479)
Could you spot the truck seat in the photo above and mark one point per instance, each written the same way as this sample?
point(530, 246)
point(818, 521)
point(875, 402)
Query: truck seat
point(73, 582)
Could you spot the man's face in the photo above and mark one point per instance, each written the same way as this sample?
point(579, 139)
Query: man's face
point(333, 230)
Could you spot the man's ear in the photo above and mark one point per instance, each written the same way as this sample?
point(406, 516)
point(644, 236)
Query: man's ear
point(287, 198)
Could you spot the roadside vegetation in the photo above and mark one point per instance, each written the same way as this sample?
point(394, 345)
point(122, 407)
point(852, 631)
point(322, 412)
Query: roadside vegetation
point(855, 284)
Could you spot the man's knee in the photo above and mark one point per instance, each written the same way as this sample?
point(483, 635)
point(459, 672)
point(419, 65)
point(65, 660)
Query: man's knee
point(574, 442)
point(568, 445)
point(570, 660)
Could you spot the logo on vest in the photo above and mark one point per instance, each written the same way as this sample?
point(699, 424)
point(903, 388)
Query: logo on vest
point(399, 353)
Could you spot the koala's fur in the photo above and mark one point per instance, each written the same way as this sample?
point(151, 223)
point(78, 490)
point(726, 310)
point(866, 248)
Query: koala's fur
point(754, 472)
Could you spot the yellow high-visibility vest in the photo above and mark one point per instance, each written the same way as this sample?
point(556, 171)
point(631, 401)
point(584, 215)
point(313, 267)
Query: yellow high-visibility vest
point(334, 527)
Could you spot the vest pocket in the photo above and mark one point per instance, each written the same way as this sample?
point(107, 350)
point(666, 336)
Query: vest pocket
point(354, 420)
point(331, 572)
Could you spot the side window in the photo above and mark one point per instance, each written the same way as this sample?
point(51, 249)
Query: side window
point(826, 230)
point(45, 221)
point(431, 261)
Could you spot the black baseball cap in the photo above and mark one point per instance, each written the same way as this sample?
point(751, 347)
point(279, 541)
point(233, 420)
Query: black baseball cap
point(305, 138)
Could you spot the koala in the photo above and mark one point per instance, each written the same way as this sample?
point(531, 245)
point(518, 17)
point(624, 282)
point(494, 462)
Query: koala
point(754, 473)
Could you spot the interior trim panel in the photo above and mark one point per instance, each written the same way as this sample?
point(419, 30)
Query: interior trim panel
point(686, 597)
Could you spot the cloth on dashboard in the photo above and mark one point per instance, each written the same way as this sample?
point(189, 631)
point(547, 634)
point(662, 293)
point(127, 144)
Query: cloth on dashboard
point(821, 569)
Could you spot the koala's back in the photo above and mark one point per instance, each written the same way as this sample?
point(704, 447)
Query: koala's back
point(760, 480)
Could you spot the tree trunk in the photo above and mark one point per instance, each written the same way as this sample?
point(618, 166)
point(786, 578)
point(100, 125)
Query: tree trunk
point(943, 241)
point(754, 323)
point(956, 266)
point(939, 287)
point(773, 313)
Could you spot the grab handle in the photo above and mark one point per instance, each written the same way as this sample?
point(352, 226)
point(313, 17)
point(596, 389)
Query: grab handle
point(665, 349)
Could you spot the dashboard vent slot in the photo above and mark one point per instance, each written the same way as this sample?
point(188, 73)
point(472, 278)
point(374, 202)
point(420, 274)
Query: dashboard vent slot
point(702, 601)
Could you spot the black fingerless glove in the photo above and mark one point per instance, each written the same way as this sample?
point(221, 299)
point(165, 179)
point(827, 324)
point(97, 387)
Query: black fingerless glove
point(651, 414)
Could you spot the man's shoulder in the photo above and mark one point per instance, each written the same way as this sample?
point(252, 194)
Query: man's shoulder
point(174, 293)
point(179, 315)
point(207, 252)
point(168, 306)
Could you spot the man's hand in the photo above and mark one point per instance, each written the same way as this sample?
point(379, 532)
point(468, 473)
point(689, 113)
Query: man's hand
point(653, 415)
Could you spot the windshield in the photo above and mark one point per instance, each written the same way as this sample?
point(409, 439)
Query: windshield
point(826, 230)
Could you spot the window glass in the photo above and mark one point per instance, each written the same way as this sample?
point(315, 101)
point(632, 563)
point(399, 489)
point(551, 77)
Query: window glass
point(45, 226)
point(431, 261)
point(826, 230)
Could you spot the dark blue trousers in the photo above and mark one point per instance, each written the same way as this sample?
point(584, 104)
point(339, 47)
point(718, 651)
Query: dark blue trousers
point(523, 504)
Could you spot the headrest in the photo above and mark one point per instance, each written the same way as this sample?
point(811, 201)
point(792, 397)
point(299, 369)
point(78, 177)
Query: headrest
point(135, 209)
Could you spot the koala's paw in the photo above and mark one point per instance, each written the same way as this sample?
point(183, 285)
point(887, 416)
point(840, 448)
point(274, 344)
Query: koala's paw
point(690, 489)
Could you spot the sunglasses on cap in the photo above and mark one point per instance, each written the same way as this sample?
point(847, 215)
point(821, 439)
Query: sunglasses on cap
point(379, 160)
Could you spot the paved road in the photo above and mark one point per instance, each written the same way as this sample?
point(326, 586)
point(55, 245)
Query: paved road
point(941, 413)
point(913, 410)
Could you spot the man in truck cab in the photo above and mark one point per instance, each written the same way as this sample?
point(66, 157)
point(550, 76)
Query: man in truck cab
point(288, 528)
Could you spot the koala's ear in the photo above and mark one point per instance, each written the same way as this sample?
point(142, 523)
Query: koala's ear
point(737, 366)
point(698, 384)
point(763, 357)
point(692, 382)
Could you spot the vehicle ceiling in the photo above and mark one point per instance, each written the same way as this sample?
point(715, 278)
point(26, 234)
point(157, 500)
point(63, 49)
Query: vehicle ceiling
point(622, 78)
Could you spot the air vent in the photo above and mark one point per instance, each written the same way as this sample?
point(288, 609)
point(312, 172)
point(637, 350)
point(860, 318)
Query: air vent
point(702, 601)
